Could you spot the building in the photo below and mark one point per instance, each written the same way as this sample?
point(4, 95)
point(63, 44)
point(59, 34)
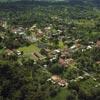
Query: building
point(98, 43)
point(55, 79)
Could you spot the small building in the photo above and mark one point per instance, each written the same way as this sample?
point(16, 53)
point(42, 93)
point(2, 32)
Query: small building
point(55, 79)
point(31, 38)
point(33, 27)
point(18, 52)
point(18, 30)
point(37, 56)
point(57, 51)
point(89, 47)
point(69, 61)
point(62, 62)
point(3, 24)
point(98, 43)
point(9, 52)
point(97, 62)
point(39, 33)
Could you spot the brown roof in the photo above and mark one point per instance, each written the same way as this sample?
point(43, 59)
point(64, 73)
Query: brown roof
point(56, 78)
point(97, 62)
point(98, 43)
point(69, 61)
point(61, 61)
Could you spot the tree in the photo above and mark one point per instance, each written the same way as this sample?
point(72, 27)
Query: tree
point(16, 81)
point(56, 69)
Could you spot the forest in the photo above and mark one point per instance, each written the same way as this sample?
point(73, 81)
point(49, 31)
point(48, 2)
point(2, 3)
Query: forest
point(50, 50)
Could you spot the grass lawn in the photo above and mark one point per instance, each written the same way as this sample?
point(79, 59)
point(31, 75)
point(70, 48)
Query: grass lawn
point(61, 44)
point(1, 50)
point(29, 49)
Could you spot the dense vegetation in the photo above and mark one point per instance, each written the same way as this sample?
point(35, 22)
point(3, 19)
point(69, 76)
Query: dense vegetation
point(71, 27)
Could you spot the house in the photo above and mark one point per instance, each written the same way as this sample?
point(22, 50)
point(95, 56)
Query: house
point(73, 47)
point(98, 85)
point(77, 41)
point(45, 51)
point(45, 66)
point(34, 57)
point(18, 52)
point(42, 45)
point(69, 61)
point(21, 33)
point(57, 51)
point(39, 33)
point(18, 30)
point(62, 62)
point(80, 78)
point(54, 58)
point(3, 24)
point(65, 54)
point(98, 43)
point(97, 62)
point(91, 43)
point(89, 47)
point(60, 31)
point(63, 83)
point(55, 79)
point(37, 56)
point(76, 45)
point(47, 28)
point(9, 52)
point(33, 27)
point(31, 38)
point(86, 74)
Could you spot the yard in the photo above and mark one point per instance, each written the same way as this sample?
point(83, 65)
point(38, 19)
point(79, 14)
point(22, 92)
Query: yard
point(29, 49)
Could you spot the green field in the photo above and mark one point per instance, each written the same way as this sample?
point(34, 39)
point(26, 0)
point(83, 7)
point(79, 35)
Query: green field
point(29, 49)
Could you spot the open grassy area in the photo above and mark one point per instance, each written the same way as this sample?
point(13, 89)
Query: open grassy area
point(61, 44)
point(29, 49)
point(1, 50)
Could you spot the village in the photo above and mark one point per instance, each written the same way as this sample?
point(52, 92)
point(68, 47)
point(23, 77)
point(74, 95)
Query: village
point(50, 48)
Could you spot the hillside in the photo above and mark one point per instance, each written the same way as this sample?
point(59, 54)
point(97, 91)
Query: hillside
point(72, 2)
point(50, 50)
point(8, 0)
